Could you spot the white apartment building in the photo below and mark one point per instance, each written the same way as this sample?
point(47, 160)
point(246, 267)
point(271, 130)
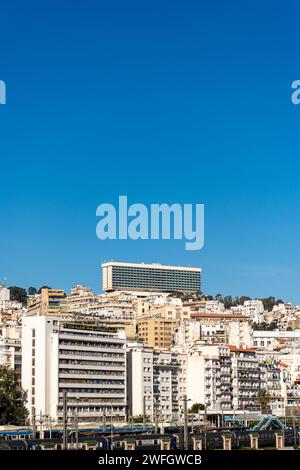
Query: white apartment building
point(291, 376)
point(209, 378)
point(4, 294)
point(209, 328)
point(253, 309)
point(88, 361)
point(284, 309)
point(82, 300)
point(214, 306)
point(5, 303)
point(246, 380)
point(11, 355)
point(223, 378)
point(272, 379)
point(276, 340)
point(156, 383)
point(10, 348)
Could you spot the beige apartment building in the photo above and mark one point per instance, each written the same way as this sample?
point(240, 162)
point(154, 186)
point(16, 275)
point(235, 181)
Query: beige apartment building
point(145, 309)
point(157, 332)
point(48, 302)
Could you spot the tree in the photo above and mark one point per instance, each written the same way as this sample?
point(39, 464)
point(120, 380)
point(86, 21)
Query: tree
point(43, 287)
point(263, 399)
point(31, 291)
point(268, 303)
point(18, 294)
point(228, 302)
point(196, 408)
point(12, 398)
point(208, 297)
point(264, 326)
point(242, 299)
point(140, 419)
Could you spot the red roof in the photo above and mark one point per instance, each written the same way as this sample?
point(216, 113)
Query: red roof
point(235, 348)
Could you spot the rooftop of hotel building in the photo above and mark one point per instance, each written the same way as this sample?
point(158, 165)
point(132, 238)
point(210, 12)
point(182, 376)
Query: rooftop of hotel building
point(150, 266)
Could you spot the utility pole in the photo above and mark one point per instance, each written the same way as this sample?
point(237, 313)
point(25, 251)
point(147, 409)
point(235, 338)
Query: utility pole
point(185, 423)
point(65, 422)
point(205, 425)
point(33, 424)
point(50, 427)
point(111, 429)
point(155, 419)
point(41, 426)
point(144, 412)
point(104, 420)
point(76, 423)
point(294, 428)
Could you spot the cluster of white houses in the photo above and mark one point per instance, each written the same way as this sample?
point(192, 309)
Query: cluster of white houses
point(129, 353)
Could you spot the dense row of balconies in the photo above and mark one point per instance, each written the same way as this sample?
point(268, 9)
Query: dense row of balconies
point(85, 335)
point(92, 401)
point(94, 383)
point(90, 392)
point(89, 374)
point(64, 354)
point(249, 386)
point(246, 395)
point(93, 365)
point(90, 344)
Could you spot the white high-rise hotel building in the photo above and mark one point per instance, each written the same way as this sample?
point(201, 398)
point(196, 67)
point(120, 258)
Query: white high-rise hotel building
point(87, 361)
point(150, 277)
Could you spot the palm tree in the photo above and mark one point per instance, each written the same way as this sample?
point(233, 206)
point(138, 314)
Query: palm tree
point(264, 399)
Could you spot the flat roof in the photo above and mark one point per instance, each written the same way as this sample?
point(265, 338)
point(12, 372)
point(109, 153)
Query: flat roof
point(218, 315)
point(150, 266)
point(276, 334)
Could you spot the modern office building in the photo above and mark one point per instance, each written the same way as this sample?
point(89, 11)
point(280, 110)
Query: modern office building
point(150, 277)
point(86, 360)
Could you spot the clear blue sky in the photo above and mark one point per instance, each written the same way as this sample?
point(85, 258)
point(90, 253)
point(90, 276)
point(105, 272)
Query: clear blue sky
point(163, 101)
